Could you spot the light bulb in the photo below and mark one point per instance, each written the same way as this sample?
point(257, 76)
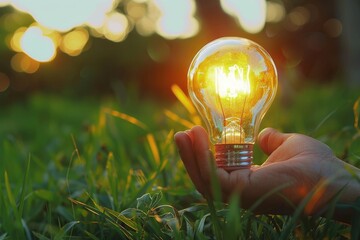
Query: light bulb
point(232, 82)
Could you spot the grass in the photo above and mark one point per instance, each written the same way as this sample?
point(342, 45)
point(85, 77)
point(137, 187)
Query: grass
point(108, 169)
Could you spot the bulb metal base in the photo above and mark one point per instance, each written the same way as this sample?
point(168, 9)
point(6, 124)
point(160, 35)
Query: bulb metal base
point(234, 156)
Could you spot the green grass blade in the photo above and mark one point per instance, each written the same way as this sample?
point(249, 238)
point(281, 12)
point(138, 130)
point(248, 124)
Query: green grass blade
point(91, 236)
point(201, 226)
point(10, 194)
point(40, 236)
point(3, 236)
point(26, 229)
point(128, 222)
point(268, 194)
point(114, 218)
point(23, 189)
point(215, 220)
point(64, 230)
point(327, 117)
point(356, 110)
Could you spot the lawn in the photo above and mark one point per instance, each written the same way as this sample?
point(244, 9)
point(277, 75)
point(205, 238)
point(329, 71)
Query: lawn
point(107, 168)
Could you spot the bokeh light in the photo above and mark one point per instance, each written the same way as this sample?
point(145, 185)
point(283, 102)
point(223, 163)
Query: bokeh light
point(43, 30)
point(176, 18)
point(20, 62)
point(4, 82)
point(135, 10)
point(275, 11)
point(37, 46)
point(333, 27)
point(297, 18)
point(63, 24)
point(63, 15)
point(116, 27)
point(251, 15)
point(4, 2)
point(74, 42)
point(16, 39)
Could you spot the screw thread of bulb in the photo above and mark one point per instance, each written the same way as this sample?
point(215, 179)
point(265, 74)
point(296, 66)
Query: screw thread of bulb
point(234, 156)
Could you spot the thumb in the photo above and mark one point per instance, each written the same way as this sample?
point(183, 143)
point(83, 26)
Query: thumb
point(270, 139)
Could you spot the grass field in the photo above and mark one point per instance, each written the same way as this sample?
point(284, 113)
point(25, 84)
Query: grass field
point(108, 169)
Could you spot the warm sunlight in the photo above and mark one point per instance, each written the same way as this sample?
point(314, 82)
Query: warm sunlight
point(176, 18)
point(63, 15)
point(38, 46)
point(15, 40)
point(74, 42)
point(251, 15)
point(21, 62)
point(116, 27)
point(179, 119)
point(68, 24)
point(171, 20)
point(275, 11)
point(4, 2)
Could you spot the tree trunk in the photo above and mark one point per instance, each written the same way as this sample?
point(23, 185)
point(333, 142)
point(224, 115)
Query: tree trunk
point(349, 15)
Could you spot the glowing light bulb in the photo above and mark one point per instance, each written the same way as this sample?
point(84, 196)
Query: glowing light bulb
point(232, 82)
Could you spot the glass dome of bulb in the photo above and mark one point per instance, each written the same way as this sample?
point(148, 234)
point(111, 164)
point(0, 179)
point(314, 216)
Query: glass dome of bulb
point(232, 82)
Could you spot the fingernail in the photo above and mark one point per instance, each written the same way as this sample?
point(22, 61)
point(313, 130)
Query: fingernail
point(178, 133)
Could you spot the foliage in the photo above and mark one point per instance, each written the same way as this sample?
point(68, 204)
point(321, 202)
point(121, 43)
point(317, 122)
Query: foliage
point(105, 169)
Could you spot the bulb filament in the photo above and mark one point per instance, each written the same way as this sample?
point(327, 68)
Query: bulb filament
point(232, 83)
point(232, 88)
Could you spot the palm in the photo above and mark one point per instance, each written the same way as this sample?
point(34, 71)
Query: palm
point(294, 165)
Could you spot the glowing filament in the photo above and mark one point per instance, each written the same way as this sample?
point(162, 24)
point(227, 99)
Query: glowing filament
point(232, 83)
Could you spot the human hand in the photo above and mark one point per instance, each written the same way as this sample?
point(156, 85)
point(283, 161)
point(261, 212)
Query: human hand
point(296, 163)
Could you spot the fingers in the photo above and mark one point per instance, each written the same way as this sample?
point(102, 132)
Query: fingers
point(194, 151)
point(267, 182)
point(202, 153)
point(184, 142)
point(270, 139)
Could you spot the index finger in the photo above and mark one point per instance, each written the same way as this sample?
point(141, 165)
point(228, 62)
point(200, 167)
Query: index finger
point(184, 142)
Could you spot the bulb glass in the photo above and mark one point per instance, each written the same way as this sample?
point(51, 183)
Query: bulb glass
point(232, 82)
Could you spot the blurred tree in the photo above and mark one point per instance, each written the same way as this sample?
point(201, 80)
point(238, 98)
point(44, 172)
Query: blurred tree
point(348, 11)
point(305, 44)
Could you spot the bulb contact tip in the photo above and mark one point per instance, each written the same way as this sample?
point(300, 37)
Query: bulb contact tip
point(234, 156)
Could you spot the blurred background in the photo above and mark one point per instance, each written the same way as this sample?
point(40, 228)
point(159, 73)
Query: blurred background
point(89, 105)
point(90, 47)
